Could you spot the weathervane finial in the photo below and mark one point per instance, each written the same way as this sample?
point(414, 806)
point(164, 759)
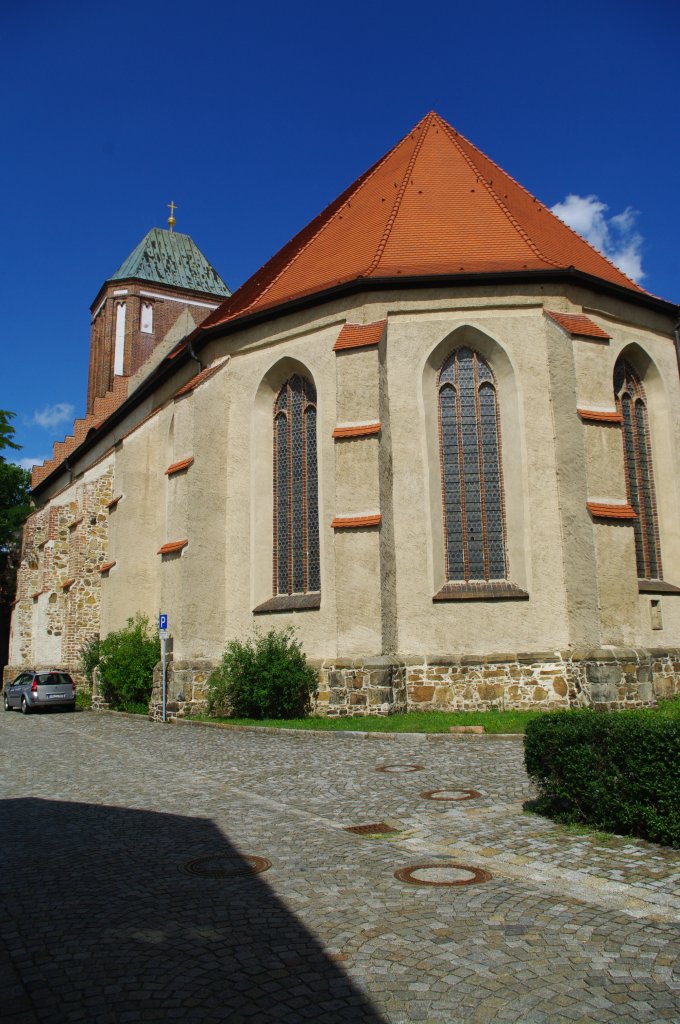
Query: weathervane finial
point(171, 218)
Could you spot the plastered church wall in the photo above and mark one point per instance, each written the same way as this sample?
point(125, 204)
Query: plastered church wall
point(576, 631)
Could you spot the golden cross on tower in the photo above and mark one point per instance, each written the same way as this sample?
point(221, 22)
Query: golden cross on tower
point(171, 218)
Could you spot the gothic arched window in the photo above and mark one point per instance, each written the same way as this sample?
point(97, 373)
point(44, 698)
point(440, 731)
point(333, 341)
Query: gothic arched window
point(296, 511)
point(630, 400)
point(472, 483)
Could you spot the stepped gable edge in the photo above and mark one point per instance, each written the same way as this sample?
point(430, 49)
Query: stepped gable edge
point(103, 407)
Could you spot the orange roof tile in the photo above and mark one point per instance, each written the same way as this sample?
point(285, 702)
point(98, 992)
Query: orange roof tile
point(433, 205)
point(177, 467)
point(600, 416)
point(353, 522)
point(578, 325)
point(198, 379)
point(362, 430)
point(359, 335)
point(106, 567)
point(602, 510)
point(172, 546)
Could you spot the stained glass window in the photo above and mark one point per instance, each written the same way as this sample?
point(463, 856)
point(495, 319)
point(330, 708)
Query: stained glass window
point(472, 484)
point(631, 402)
point(296, 506)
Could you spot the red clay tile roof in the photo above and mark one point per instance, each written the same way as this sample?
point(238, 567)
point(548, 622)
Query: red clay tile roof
point(359, 335)
point(68, 583)
point(600, 416)
point(365, 430)
point(105, 567)
point(177, 467)
point(353, 522)
point(112, 504)
point(172, 546)
point(435, 204)
point(601, 510)
point(578, 325)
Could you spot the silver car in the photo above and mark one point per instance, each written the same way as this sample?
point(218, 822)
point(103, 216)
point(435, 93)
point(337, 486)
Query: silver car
point(33, 690)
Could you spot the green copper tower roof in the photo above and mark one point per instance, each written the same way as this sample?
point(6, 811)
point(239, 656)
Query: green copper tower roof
point(169, 257)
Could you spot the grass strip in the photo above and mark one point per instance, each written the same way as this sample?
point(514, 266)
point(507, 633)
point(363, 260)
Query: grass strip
point(412, 721)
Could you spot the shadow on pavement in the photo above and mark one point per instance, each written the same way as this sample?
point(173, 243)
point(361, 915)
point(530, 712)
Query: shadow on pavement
point(102, 924)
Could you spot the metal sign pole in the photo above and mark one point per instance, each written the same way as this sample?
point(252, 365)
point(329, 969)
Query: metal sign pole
point(165, 674)
point(164, 634)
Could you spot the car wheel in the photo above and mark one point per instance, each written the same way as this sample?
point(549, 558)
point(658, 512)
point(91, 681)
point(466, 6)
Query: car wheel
point(25, 710)
point(7, 707)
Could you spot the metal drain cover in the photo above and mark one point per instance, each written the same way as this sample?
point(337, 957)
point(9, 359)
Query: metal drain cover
point(381, 828)
point(450, 794)
point(226, 865)
point(442, 874)
point(398, 769)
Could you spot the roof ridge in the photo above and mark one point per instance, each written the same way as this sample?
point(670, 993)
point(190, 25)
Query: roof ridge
point(336, 205)
point(425, 122)
point(539, 203)
point(449, 129)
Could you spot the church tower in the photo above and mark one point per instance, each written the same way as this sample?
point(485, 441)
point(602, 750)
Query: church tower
point(164, 277)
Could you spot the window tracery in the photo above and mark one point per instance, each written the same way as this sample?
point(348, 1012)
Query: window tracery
point(631, 403)
point(472, 485)
point(296, 512)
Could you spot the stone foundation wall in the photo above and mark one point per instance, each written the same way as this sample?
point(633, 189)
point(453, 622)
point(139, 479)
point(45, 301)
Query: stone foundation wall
point(186, 685)
point(363, 686)
point(608, 679)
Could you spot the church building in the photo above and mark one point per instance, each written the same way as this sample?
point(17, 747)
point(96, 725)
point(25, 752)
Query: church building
point(438, 433)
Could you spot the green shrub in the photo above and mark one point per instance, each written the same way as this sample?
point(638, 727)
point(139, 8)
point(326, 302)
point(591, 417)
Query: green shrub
point(90, 656)
point(126, 660)
point(617, 771)
point(266, 676)
point(83, 699)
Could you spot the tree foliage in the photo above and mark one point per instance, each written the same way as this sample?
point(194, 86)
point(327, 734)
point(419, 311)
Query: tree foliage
point(15, 505)
point(15, 486)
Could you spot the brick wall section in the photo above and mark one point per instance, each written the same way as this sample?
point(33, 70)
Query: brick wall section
point(54, 551)
point(138, 345)
point(612, 679)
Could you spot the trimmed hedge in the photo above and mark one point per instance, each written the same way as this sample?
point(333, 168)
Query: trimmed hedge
point(618, 771)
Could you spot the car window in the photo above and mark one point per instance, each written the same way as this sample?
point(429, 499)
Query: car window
point(53, 679)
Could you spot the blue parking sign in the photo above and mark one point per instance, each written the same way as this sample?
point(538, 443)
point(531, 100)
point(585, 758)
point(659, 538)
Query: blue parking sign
point(162, 622)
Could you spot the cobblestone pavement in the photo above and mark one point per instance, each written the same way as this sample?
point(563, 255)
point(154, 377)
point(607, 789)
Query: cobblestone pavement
point(104, 819)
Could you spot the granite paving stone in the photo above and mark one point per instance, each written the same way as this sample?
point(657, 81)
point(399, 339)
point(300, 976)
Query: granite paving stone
point(101, 813)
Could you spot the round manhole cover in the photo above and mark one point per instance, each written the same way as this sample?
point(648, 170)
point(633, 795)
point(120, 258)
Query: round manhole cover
point(400, 769)
point(442, 874)
point(226, 865)
point(450, 794)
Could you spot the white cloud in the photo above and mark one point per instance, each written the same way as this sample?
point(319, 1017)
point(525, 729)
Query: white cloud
point(614, 236)
point(53, 415)
point(30, 462)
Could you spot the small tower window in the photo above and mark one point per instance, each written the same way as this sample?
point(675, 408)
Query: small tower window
point(119, 351)
point(146, 324)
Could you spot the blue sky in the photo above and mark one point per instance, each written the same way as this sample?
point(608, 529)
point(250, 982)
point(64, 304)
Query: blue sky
point(252, 118)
